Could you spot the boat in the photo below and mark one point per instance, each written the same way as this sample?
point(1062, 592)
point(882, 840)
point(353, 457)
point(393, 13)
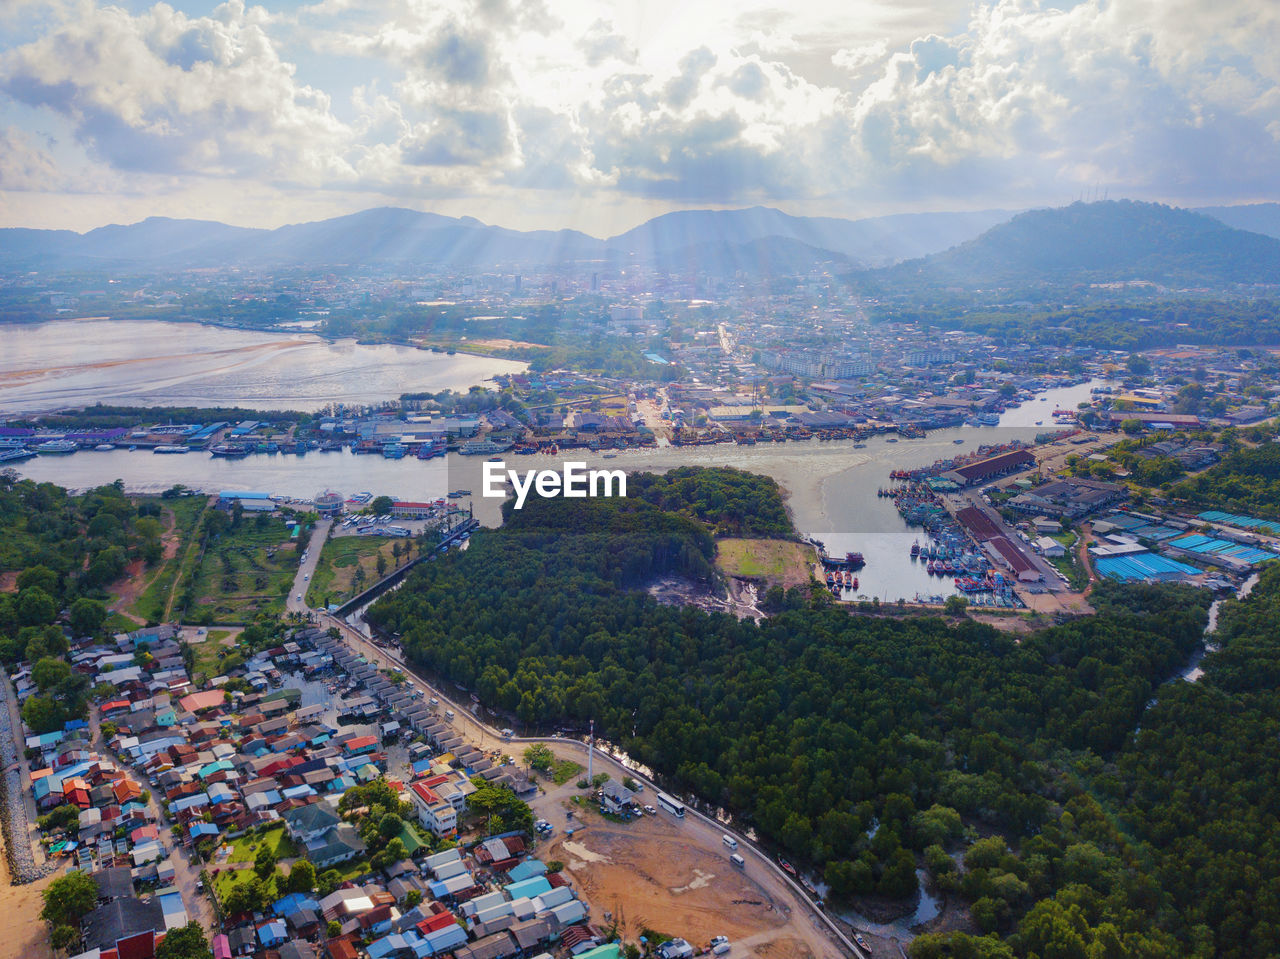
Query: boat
point(610, 456)
point(958, 442)
point(482, 447)
point(915, 550)
point(103, 447)
point(393, 451)
point(56, 448)
point(171, 449)
point(892, 439)
point(229, 450)
point(855, 560)
point(786, 866)
point(854, 584)
point(859, 446)
point(15, 455)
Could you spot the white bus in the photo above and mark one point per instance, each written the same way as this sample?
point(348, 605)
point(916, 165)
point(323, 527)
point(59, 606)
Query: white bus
point(672, 806)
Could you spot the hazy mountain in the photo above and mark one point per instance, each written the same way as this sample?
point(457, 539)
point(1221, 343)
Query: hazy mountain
point(384, 235)
point(758, 240)
point(1255, 217)
point(875, 241)
point(766, 256)
point(1100, 242)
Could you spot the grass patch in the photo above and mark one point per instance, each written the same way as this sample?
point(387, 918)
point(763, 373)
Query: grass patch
point(335, 578)
point(243, 572)
point(277, 838)
point(117, 623)
point(779, 561)
point(208, 658)
point(563, 770)
point(180, 516)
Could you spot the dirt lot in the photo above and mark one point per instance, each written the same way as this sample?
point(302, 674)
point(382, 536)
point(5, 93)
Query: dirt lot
point(646, 875)
point(26, 934)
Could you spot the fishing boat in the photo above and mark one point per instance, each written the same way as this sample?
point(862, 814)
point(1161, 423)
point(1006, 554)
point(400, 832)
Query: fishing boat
point(56, 448)
point(854, 560)
point(229, 450)
point(172, 450)
point(915, 550)
point(854, 584)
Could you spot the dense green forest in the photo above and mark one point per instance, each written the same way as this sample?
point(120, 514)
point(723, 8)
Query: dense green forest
point(1246, 481)
point(730, 502)
point(62, 552)
point(860, 745)
point(1110, 327)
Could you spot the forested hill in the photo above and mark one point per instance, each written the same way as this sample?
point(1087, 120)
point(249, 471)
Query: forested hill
point(1246, 481)
point(1113, 241)
point(816, 725)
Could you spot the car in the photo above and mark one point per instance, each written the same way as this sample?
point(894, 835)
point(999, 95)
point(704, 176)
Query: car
point(717, 940)
point(650, 810)
point(298, 597)
point(306, 577)
point(199, 885)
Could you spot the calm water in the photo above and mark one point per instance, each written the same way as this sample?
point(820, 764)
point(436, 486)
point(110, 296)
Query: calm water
point(143, 363)
point(831, 487)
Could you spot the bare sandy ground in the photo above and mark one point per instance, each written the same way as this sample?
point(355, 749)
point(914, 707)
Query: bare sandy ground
point(647, 874)
point(26, 935)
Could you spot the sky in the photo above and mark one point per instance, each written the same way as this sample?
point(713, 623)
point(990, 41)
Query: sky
point(598, 114)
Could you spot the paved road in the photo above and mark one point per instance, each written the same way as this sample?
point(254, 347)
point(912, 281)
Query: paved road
point(296, 602)
point(761, 868)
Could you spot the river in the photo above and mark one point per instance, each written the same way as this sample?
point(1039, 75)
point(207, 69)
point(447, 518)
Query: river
point(830, 486)
point(68, 363)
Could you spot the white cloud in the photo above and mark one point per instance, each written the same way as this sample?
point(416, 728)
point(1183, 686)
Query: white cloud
point(618, 101)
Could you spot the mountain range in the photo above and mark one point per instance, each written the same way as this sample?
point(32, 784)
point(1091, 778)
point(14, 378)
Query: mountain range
point(1107, 240)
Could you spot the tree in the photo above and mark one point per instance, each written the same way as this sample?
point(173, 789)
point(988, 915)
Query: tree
point(412, 898)
point(381, 505)
point(63, 936)
point(87, 616)
point(43, 714)
point(1131, 426)
point(302, 876)
point(539, 757)
point(334, 928)
point(264, 863)
point(186, 942)
point(955, 605)
point(41, 577)
point(35, 607)
point(49, 672)
point(69, 898)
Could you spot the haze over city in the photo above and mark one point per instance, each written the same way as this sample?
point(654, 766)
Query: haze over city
point(597, 116)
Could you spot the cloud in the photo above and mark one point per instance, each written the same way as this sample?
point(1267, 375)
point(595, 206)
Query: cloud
point(1022, 102)
point(164, 93)
point(24, 164)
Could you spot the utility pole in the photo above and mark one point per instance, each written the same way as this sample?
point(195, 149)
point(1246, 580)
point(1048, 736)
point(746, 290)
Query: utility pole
point(591, 742)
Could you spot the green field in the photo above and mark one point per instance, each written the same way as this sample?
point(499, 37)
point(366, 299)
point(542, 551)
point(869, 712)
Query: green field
point(180, 517)
point(207, 661)
point(334, 580)
point(243, 572)
point(776, 560)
